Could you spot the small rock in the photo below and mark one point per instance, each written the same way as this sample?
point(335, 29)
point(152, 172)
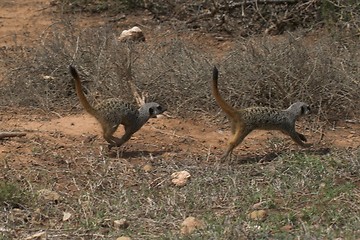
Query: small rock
point(180, 178)
point(258, 215)
point(133, 34)
point(121, 224)
point(190, 224)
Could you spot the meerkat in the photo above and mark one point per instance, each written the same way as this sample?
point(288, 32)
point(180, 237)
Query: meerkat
point(244, 121)
point(112, 112)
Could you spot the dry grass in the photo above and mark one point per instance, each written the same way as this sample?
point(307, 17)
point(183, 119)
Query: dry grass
point(316, 195)
point(176, 73)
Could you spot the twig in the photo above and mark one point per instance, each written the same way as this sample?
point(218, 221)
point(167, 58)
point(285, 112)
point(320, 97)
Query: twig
point(11, 134)
point(140, 99)
point(228, 7)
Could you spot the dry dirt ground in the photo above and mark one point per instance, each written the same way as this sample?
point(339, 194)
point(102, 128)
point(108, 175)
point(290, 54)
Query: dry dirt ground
point(26, 20)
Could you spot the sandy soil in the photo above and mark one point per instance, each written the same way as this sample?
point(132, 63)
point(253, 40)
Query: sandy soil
point(23, 21)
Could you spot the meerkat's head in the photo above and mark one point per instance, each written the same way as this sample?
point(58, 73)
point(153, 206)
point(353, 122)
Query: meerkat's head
point(152, 109)
point(299, 109)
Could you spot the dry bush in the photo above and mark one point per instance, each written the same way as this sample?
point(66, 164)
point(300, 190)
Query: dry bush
point(344, 15)
point(169, 71)
point(229, 17)
point(266, 72)
point(236, 17)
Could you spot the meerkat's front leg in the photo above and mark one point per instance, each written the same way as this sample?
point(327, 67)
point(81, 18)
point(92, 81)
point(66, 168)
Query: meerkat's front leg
point(298, 138)
point(117, 142)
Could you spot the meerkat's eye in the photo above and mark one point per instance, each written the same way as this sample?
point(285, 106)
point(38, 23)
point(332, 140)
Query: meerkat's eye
point(151, 111)
point(305, 109)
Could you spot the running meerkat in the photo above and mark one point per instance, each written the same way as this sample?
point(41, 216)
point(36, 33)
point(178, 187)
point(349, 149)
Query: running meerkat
point(112, 112)
point(244, 121)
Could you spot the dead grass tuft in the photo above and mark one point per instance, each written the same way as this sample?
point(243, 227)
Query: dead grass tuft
point(317, 195)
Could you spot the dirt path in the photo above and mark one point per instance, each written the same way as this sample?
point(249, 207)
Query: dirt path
point(164, 136)
point(22, 22)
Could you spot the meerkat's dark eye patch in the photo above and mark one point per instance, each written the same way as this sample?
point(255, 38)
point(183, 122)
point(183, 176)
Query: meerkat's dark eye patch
point(305, 109)
point(151, 111)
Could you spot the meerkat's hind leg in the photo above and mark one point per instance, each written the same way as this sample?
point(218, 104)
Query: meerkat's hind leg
point(120, 141)
point(127, 135)
point(108, 132)
point(233, 127)
point(237, 138)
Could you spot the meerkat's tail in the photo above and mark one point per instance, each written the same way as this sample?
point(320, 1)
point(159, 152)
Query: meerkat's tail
point(229, 110)
point(80, 93)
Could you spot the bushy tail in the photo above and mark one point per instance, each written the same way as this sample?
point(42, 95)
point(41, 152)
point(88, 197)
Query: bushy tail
point(229, 110)
point(80, 93)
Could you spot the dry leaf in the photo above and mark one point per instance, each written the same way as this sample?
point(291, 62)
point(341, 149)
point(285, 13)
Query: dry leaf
point(180, 178)
point(287, 228)
point(190, 224)
point(66, 216)
point(258, 215)
point(123, 238)
point(39, 235)
point(148, 168)
point(257, 205)
point(46, 77)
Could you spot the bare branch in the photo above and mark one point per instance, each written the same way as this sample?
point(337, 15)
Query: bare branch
point(140, 99)
point(11, 134)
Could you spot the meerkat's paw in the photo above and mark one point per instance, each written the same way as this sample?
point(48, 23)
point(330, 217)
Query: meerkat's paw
point(223, 159)
point(226, 158)
point(307, 145)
